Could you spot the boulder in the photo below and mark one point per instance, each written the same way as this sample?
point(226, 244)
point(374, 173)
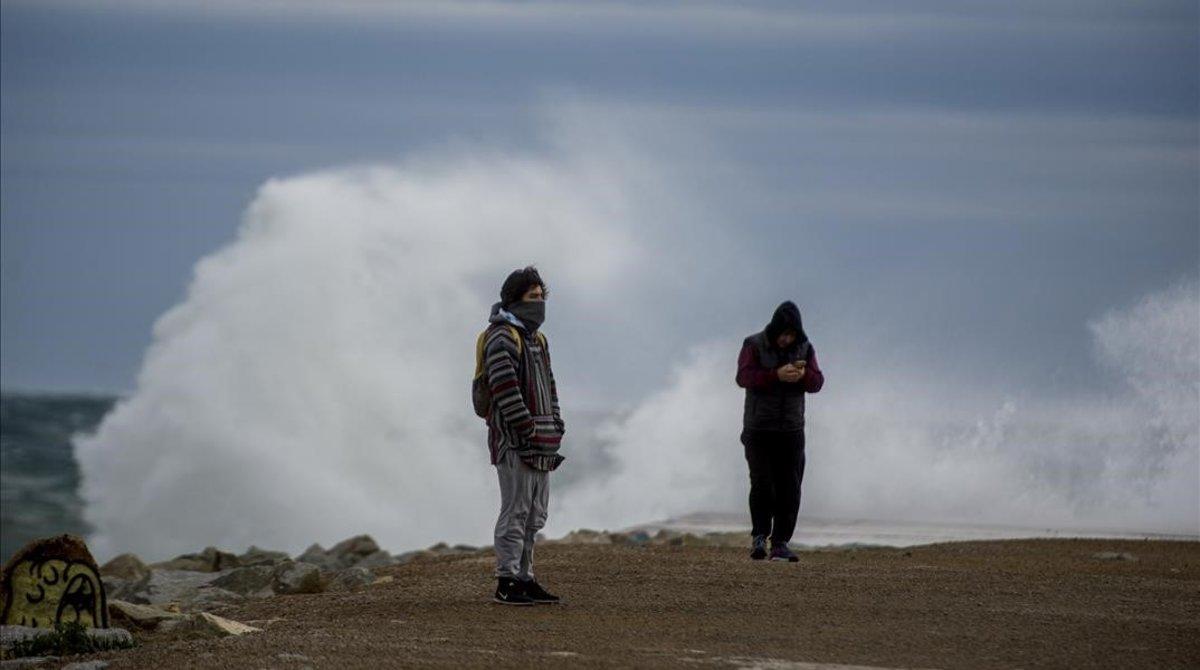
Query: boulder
point(115, 587)
point(350, 551)
point(291, 577)
point(350, 579)
point(209, 560)
point(125, 566)
point(316, 555)
point(258, 556)
point(252, 581)
point(359, 544)
point(50, 581)
point(144, 617)
point(165, 586)
point(203, 624)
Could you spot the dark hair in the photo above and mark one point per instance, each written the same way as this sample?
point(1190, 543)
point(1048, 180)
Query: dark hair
point(518, 282)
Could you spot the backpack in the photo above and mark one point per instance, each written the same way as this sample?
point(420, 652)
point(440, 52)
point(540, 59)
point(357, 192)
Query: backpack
point(481, 395)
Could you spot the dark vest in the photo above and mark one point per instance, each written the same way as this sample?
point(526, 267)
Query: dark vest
point(780, 408)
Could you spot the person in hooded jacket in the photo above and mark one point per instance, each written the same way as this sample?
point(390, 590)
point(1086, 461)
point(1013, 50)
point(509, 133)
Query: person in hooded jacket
point(777, 367)
point(525, 429)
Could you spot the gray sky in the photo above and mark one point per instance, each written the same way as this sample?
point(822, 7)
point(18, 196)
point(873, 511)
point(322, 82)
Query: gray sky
point(963, 184)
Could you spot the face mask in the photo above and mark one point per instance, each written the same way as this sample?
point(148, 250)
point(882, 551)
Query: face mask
point(531, 313)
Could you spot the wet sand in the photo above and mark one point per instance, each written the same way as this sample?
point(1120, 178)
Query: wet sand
point(995, 604)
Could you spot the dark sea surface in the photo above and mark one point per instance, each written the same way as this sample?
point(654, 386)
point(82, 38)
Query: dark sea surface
point(39, 477)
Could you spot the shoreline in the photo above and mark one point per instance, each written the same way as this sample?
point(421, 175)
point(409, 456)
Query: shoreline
point(823, 532)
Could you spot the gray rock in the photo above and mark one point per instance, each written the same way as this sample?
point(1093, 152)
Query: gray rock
point(125, 566)
point(164, 586)
point(351, 550)
point(115, 587)
point(314, 550)
point(258, 556)
point(209, 560)
point(254, 581)
point(291, 577)
point(132, 615)
point(86, 665)
point(350, 579)
point(317, 556)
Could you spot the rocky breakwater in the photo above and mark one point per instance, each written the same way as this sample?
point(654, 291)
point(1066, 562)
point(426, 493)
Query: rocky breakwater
point(183, 596)
point(160, 595)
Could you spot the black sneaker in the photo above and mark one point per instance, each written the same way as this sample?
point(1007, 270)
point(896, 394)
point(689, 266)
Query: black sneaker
point(509, 592)
point(537, 594)
point(759, 551)
point(781, 552)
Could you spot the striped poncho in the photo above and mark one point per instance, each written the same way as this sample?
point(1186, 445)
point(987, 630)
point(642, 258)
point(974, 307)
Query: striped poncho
point(524, 414)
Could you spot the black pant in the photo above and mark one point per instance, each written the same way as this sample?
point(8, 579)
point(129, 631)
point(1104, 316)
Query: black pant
point(776, 469)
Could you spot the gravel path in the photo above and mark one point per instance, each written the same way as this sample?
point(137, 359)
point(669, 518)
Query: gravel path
point(1004, 604)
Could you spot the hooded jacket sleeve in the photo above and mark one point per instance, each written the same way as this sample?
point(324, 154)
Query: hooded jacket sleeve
point(751, 375)
point(813, 379)
point(500, 359)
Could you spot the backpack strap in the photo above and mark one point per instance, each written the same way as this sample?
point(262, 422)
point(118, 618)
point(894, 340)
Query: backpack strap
point(481, 343)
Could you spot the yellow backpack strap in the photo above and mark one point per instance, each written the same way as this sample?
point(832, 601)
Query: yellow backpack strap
point(516, 336)
point(481, 343)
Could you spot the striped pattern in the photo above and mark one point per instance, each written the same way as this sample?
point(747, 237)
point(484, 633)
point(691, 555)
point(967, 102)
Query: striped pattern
point(525, 415)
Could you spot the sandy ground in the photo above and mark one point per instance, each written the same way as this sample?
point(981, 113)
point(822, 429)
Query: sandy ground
point(1001, 604)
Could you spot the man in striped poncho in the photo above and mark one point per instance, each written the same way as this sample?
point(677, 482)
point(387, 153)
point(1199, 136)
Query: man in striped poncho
point(525, 429)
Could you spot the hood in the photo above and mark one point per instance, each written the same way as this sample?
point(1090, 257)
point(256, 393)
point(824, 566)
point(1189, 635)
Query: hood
point(495, 316)
point(786, 317)
point(501, 315)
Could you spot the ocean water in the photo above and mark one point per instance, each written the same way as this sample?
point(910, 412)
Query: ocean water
point(39, 476)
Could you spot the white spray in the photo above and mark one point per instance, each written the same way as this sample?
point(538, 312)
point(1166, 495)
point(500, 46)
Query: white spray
point(312, 384)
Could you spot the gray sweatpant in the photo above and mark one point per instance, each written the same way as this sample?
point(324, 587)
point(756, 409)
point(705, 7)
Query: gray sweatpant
point(524, 496)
